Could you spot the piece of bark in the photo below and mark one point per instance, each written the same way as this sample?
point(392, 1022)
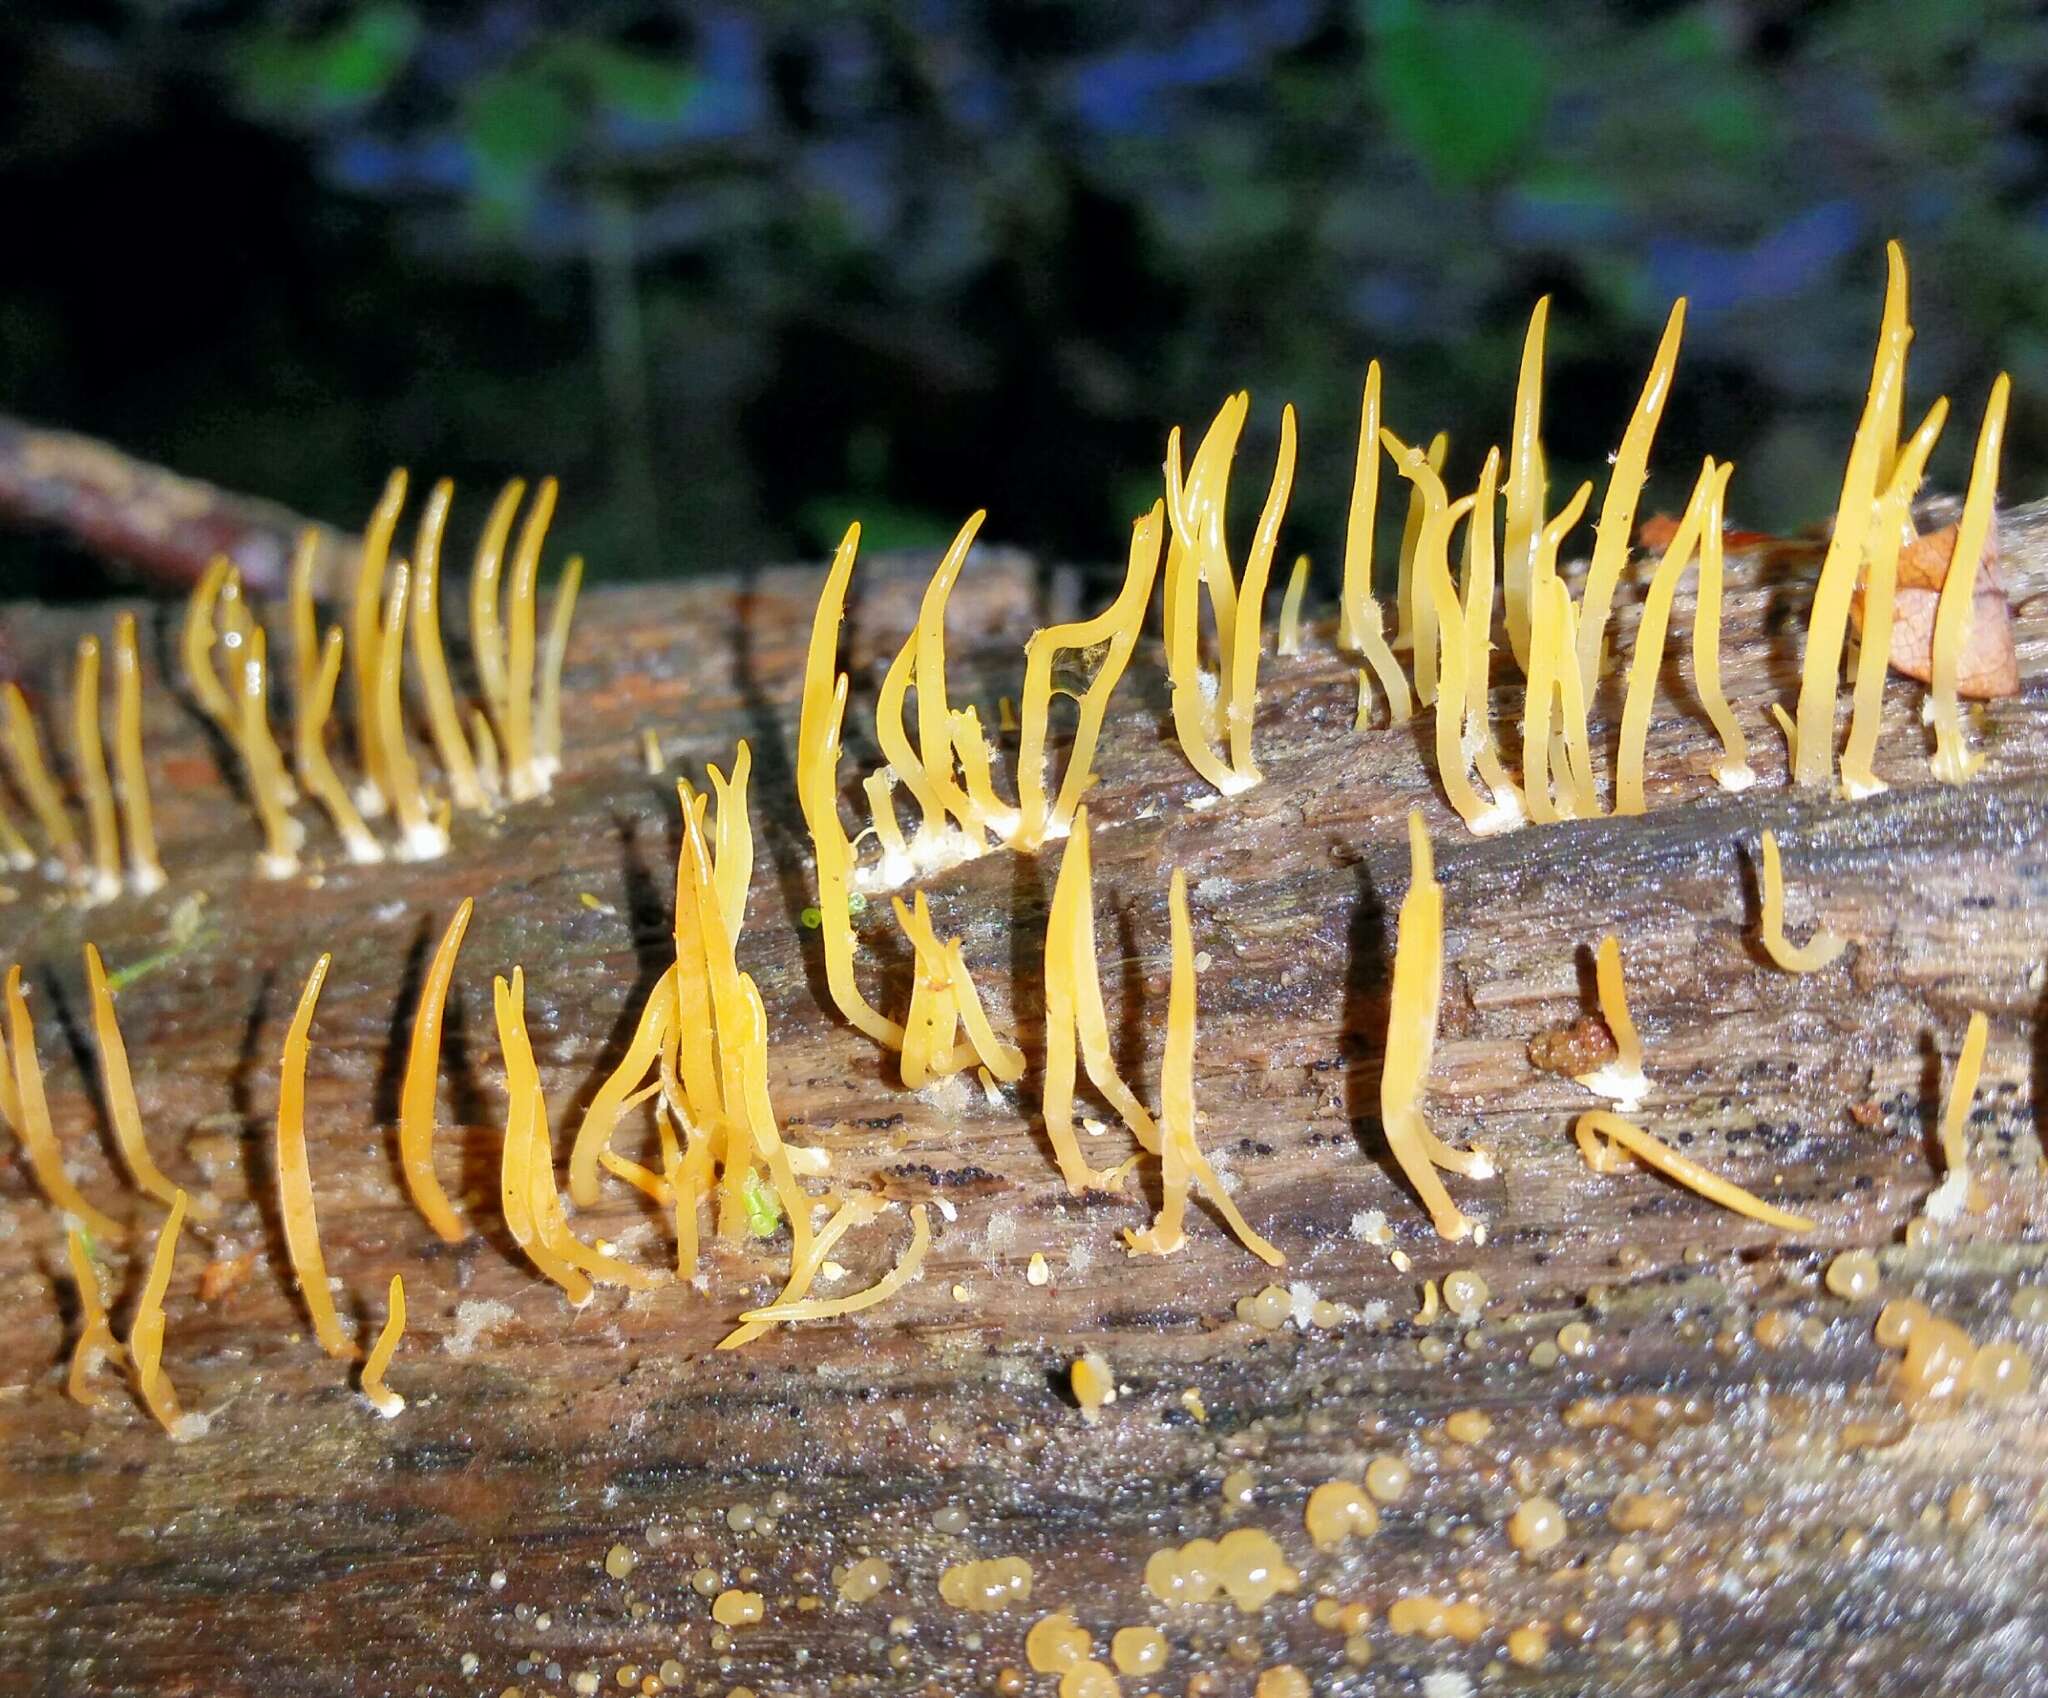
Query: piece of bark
point(304, 1545)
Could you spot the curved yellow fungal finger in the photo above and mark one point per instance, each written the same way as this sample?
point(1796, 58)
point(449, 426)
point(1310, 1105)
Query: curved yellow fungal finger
point(96, 1341)
point(145, 867)
point(1598, 1124)
point(302, 619)
point(1476, 594)
point(1819, 950)
point(381, 1397)
point(1204, 498)
point(733, 840)
point(366, 628)
point(522, 775)
point(1733, 771)
point(1004, 1061)
point(444, 720)
point(1952, 1195)
point(934, 715)
point(422, 1080)
point(195, 646)
point(547, 735)
point(855, 1211)
point(146, 1331)
point(1287, 640)
point(1195, 554)
point(1550, 652)
point(263, 765)
point(421, 837)
point(1622, 1078)
point(827, 1308)
point(295, 1174)
point(122, 1108)
point(1363, 628)
point(486, 629)
point(516, 1177)
point(1246, 632)
point(1953, 761)
point(1410, 621)
point(89, 756)
point(643, 1053)
point(1646, 657)
point(1525, 489)
point(28, 1109)
point(315, 769)
point(32, 774)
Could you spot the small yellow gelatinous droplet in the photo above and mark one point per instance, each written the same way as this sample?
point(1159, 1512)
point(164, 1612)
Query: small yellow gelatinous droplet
point(1388, 1478)
point(734, 1608)
point(1138, 1650)
point(1537, 1525)
point(1339, 1510)
point(1056, 1643)
point(1854, 1276)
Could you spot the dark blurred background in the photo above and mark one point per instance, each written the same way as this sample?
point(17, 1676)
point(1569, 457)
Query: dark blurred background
point(738, 273)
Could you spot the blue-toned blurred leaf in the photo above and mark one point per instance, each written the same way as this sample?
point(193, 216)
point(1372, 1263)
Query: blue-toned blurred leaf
point(518, 123)
point(1463, 85)
point(635, 85)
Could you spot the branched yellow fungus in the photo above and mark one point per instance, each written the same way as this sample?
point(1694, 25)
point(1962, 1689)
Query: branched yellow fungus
point(1287, 641)
point(1818, 951)
point(145, 868)
point(547, 732)
point(28, 1109)
point(381, 1397)
point(1953, 761)
point(367, 623)
point(195, 646)
point(263, 765)
point(122, 1108)
point(421, 837)
point(1820, 676)
point(1646, 658)
point(1193, 689)
point(1952, 1195)
point(146, 1331)
point(486, 629)
point(1733, 770)
point(1553, 673)
point(96, 1340)
point(295, 1175)
point(643, 1053)
point(32, 774)
point(422, 1079)
point(1411, 1042)
point(1602, 1136)
point(1525, 489)
point(1074, 1010)
point(990, 813)
point(1576, 740)
point(1364, 630)
point(855, 1211)
point(1414, 618)
point(1617, 521)
point(1892, 527)
point(934, 714)
point(444, 720)
point(89, 755)
point(732, 850)
point(1241, 677)
point(827, 1308)
point(1118, 625)
point(1181, 1160)
point(516, 1176)
point(523, 777)
point(943, 1000)
point(309, 756)
point(1476, 591)
point(1622, 1078)
point(1198, 505)
point(821, 717)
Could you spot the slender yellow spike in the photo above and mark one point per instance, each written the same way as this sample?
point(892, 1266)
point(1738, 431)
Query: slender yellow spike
point(1893, 526)
point(96, 1341)
point(420, 836)
point(857, 1210)
point(486, 629)
point(1618, 506)
point(1477, 594)
point(1364, 630)
point(295, 1175)
point(1819, 950)
point(1598, 1124)
point(825, 1308)
point(1200, 518)
point(365, 633)
point(381, 1397)
point(1192, 720)
point(733, 844)
point(145, 868)
point(990, 812)
point(1733, 771)
point(696, 1013)
point(1525, 490)
point(444, 720)
point(516, 1181)
point(32, 774)
point(1550, 652)
point(489, 772)
point(302, 616)
point(1243, 676)
point(934, 716)
point(1646, 658)
point(547, 735)
point(89, 753)
point(122, 1108)
point(1896, 320)
point(643, 1053)
point(422, 1080)
point(310, 759)
point(1622, 1078)
point(522, 775)
point(1287, 642)
point(146, 1331)
point(28, 1110)
point(1576, 738)
point(1417, 631)
point(1953, 760)
point(1952, 1195)
point(195, 646)
point(263, 765)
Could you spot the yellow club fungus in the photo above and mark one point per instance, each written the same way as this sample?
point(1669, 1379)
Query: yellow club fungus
point(421, 837)
point(1363, 627)
point(547, 730)
point(643, 1054)
point(14, 849)
point(1622, 1078)
point(1414, 618)
point(1118, 626)
point(195, 645)
point(943, 1001)
point(295, 1175)
point(122, 1108)
point(1525, 489)
point(486, 629)
point(1181, 1160)
point(444, 720)
point(1892, 528)
point(381, 1397)
point(1646, 657)
point(1476, 590)
point(1953, 761)
point(1607, 1141)
point(146, 1331)
point(804, 1270)
point(145, 867)
point(934, 714)
point(1411, 1042)
point(28, 1109)
point(1444, 627)
point(367, 623)
point(1617, 520)
point(32, 774)
point(732, 848)
point(89, 757)
point(523, 778)
point(262, 764)
point(310, 758)
point(1074, 1010)
point(1818, 951)
point(829, 1308)
point(1732, 772)
point(96, 1341)
point(302, 618)
point(517, 1181)
point(1287, 639)
point(1242, 675)
point(1553, 684)
point(422, 1080)
point(1820, 676)
point(1952, 1195)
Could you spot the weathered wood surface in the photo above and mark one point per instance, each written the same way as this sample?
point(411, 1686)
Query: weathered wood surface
point(305, 1546)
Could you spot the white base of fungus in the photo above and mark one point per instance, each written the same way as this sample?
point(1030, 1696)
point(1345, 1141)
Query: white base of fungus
point(189, 1426)
point(1734, 775)
point(1506, 814)
point(145, 881)
point(364, 850)
point(1947, 1200)
point(426, 842)
point(277, 866)
point(102, 887)
point(385, 1401)
point(1625, 1086)
point(1857, 789)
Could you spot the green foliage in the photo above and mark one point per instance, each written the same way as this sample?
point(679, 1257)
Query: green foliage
point(1463, 85)
point(764, 1208)
point(286, 75)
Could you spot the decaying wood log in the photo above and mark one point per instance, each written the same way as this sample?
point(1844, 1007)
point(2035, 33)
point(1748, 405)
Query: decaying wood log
point(565, 1489)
